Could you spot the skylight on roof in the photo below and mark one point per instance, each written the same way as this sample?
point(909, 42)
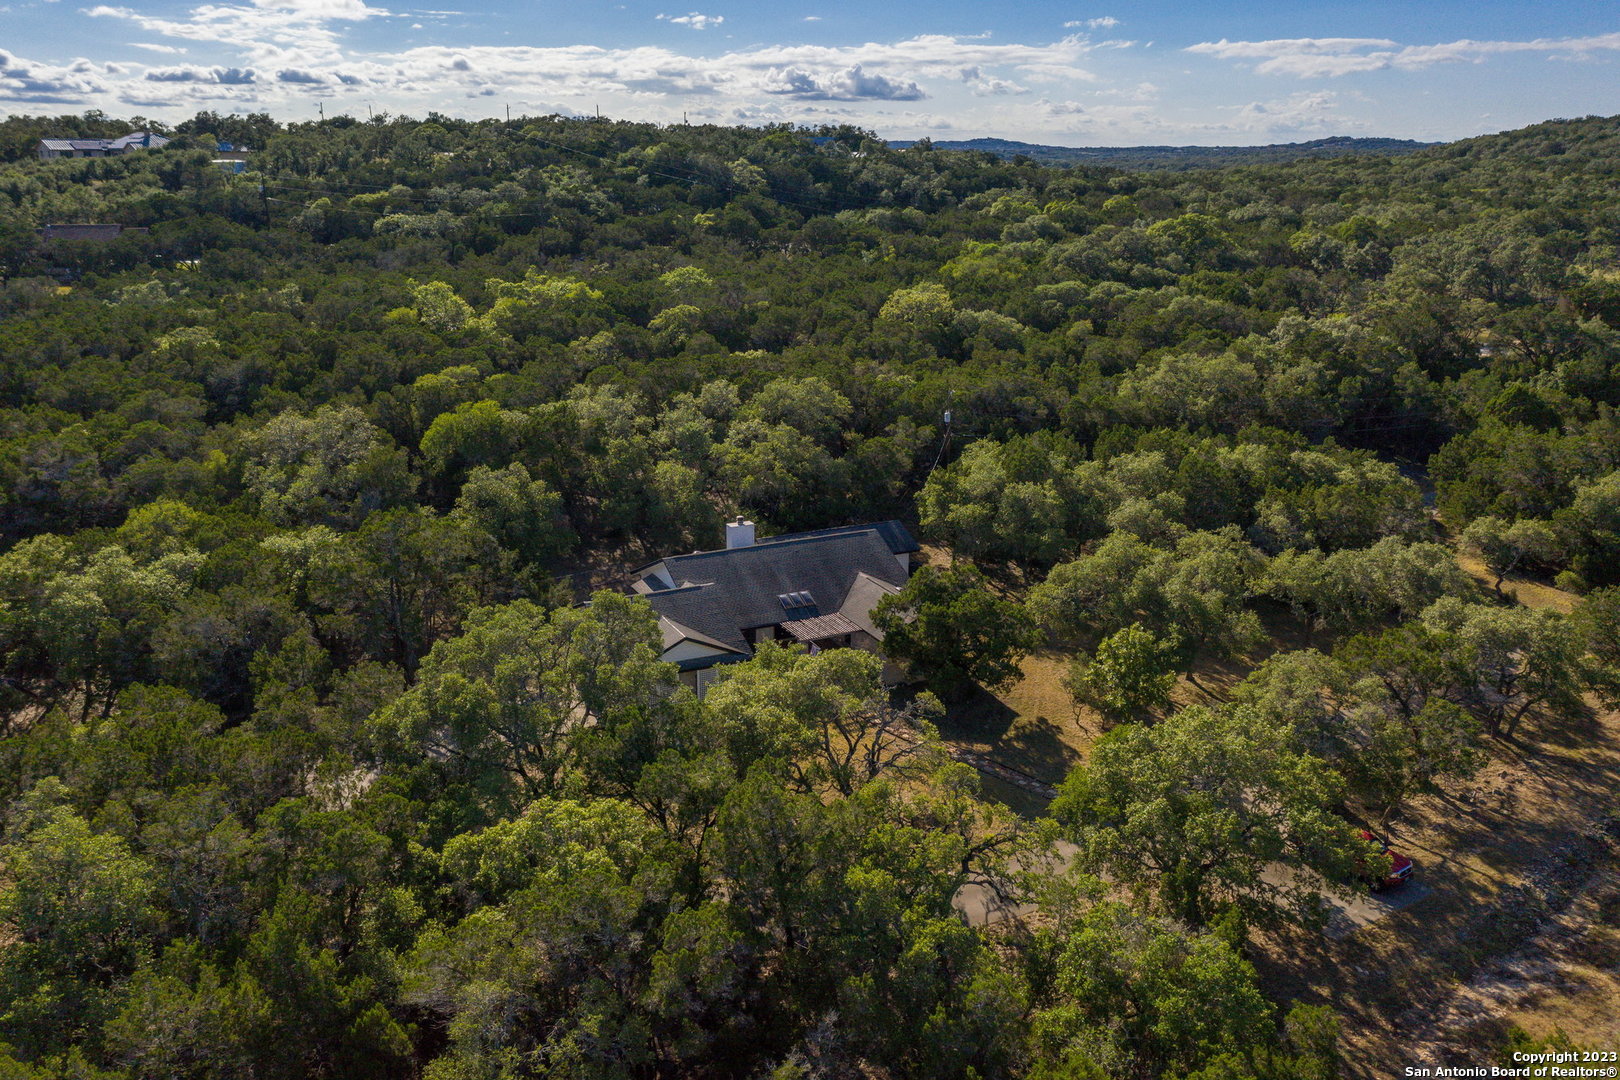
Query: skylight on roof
point(798, 605)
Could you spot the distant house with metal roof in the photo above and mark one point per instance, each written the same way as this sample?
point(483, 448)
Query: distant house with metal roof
point(79, 148)
point(231, 158)
point(816, 588)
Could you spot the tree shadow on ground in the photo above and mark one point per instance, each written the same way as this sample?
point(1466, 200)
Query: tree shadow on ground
point(1035, 745)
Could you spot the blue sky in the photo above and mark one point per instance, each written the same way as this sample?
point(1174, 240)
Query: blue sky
point(1068, 73)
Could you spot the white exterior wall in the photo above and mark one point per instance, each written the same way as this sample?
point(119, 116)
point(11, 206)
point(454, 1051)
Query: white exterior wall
point(893, 674)
point(700, 680)
point(683, 651)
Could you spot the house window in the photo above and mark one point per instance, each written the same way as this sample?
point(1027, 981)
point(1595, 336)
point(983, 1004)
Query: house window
point(705, 679)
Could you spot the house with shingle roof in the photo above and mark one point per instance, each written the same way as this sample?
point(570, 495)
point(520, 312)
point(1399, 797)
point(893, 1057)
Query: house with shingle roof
point(816, 589)
point(96, 231)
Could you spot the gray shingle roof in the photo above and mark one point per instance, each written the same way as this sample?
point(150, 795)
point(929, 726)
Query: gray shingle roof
point(894, 533)
point(863, 596)
point(722, 593)
point(85, 231)
point(137, 138)
point(673, 633)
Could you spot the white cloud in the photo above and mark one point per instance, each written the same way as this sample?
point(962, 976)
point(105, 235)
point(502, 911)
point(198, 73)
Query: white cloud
point(1106, 22)
point(894, 71)
point(1142, 91)
point(304, 36)
point(1314, 111)
point(851, 84)
point(29, 82)
point(266, 31)
point(812, 18)
point(986, 85)
point(695, 20)
point(1332, 57)
point(1102, 124)
point(1057, 73)
point(937, 54)
point(150, 47)
point(275, 55)
point(222, 76)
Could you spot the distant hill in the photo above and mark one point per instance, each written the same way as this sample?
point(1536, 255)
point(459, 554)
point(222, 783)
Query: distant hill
point(1179, 157)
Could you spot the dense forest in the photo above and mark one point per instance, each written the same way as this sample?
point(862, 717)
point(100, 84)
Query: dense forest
point(1175, 157)
point(314, 764)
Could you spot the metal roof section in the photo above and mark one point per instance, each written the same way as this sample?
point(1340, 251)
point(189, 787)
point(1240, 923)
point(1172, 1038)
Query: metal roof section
point(894, 534)
point(135, 140)
point(820, 628)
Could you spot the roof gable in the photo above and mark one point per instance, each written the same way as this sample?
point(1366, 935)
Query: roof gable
point(864, 595)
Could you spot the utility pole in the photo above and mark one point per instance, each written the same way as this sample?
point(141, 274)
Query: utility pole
point(948, 417)
point(321, 105)
point(509, 113)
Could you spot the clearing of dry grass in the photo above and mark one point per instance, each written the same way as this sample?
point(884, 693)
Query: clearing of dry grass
point(1033, 726)
point(1532, 594)
point(1036, 727)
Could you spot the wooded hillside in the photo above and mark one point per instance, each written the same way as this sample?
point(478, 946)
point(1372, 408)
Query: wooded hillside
point(310, 764)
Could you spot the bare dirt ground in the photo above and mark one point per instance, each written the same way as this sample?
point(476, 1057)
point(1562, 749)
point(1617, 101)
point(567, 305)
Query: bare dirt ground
point(1566, 978)
point(1501, 856)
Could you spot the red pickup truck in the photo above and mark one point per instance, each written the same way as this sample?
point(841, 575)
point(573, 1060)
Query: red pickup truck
point(1399, 866)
